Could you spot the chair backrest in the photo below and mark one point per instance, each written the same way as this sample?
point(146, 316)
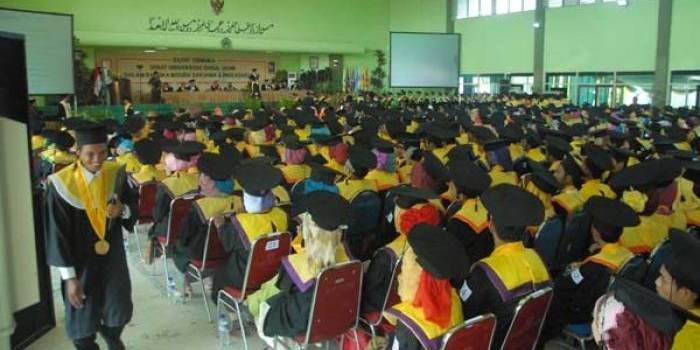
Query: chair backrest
point(366, 209)
point(474, 334)
point(547, 240)
point(575, 241)
point(265, 259)
point(178, 211)
point(147, 198)
point(213, 250)
point(658, 257)
point(527, 321)
point(336, 302)
point(634, 269)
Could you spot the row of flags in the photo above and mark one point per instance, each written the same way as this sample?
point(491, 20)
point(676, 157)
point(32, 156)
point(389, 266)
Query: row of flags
point(356, 79)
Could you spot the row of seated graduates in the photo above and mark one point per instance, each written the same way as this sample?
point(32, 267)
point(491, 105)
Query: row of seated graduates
point(485, 132)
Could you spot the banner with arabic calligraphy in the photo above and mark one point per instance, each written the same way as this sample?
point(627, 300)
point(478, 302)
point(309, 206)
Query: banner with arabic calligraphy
point(178, 67)
point(199, 25)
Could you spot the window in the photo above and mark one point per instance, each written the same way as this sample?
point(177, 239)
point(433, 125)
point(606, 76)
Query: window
point(485, 9)
point(685, 88)
point(631, 87)
point(473, 8)
point(556, 3)
point(501, 7)
point(570, 2)
point(586, 2)
point(529, 5)
point(462, 9)
point(516, 5)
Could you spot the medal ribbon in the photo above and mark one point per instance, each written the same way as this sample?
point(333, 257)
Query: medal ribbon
point(96, 212)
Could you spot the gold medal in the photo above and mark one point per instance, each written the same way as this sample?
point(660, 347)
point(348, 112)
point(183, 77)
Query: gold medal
point(101, 247)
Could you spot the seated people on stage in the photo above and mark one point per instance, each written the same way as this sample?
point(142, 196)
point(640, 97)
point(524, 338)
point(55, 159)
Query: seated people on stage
point(190, 86)
point(261, 217)
point(216, 185)
point(576, 291)
point(360, 161)
point(429, 304)
point(182, 87)
point(148, 153)
point(167, 87)
point(412, 208)
point(58, 152)
point(470, 223)
point(215, 86)
point(498, 282)
point(295, 153)
point(282, 305)
point(179, 159)
point(679, 283)
point(229, 87)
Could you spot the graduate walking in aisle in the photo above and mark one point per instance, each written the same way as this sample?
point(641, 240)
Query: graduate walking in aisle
point(87, 205)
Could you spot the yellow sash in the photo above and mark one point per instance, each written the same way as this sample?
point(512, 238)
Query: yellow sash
point(570, 200)
point(536, 155)
point(689, 336)
point(643, 238)
point(350, 188)
point(212, 206)
point(405, 173)
point(427, 332)
point(503, 177)
point(595, 187)
point(94, 195)
point(514, 270)
point(298, 269)
point(612, 256)
point(256, 225)
point(385, 180)
point(148, 173)
point(295, 172)
point(474, 214)
point(181, 183)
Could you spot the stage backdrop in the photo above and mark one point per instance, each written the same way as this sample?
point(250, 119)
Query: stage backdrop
point(175, 67)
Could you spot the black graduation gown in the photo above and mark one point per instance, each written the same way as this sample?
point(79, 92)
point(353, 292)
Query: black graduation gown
point(406, 339)
point(232, 272)
point(161, 209)
point(484, 299)
point(574, 303)
point(289, 309)
point(70, 242)
point(193, 235)
point(477, 246)
point(375, 282)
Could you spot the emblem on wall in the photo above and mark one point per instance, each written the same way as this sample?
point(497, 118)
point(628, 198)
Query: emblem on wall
point(226, 43)
point(216, 6)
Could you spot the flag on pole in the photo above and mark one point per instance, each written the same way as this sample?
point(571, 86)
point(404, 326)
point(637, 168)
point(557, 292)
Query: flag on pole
point(96, 81)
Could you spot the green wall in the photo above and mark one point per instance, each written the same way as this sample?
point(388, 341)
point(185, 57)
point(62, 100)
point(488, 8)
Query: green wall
point(418, 16)
point(587, 38)
point(685, 35)
point(601, 37)
point(497, 44)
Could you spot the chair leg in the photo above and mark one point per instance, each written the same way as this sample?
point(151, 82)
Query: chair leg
point(200, 279)
point(138, 240)
point(165, 265)
point(240, 323)
point(357, 339)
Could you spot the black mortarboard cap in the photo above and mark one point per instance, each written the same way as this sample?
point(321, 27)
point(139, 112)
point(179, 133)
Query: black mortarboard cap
point(61, 139)
point(215, 166)
point(257, 177)
point(557, 146)
point(542, 178)
point(512, 206)
point(323, 174)
point(133, 125)
point(468, 177)
point(611, 212)
point(407, 196)
point(328, 210)
point(438, 252)
point(147, 151)
point(598, 156)
point(90, 133)
point(361, 158)
point(684, 260)
point(184, 150)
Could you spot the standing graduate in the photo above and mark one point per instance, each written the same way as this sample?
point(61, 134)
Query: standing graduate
point(87, 205)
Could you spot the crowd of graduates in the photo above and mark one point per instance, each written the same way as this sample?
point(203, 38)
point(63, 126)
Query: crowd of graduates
point(482, 201)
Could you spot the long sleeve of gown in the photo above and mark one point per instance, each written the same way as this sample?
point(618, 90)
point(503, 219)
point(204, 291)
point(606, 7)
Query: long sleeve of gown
point(376, 282)
point(58, 229)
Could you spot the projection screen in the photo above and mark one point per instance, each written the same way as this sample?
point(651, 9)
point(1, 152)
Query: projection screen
point(424, 60)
